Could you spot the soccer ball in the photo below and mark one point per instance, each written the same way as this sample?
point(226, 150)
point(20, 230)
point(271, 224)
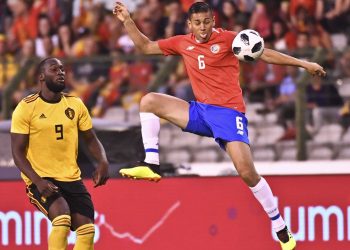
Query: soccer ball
point(248, 45)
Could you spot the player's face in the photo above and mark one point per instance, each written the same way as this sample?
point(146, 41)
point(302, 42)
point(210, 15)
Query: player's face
point(55, 76)
point(201, 25)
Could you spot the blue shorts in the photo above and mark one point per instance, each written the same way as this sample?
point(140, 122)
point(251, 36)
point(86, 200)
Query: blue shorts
point(223, 124)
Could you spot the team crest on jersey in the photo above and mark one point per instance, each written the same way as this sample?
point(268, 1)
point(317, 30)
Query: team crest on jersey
point(215, 48)
point(70, 113)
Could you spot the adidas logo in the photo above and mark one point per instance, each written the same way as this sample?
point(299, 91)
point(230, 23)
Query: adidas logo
point(42, 116)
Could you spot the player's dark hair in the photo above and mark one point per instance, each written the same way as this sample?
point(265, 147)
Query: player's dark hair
point(41, 66)
point(198, 7)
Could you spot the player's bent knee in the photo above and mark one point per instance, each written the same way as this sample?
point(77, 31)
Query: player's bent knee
point(148, 102)
point(85, 237)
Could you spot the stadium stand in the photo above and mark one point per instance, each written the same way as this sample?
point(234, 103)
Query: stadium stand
point(106, 71)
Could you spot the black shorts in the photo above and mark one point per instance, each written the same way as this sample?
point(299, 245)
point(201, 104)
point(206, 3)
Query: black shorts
point(75, 193)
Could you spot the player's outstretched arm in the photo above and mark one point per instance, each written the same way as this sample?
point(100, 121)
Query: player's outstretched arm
point(142, 42)
point(275, 57)
point(101, 174)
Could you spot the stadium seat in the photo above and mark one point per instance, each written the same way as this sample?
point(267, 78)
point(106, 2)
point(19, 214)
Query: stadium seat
point(165, 136)
point(252, 133)
point(252, 114)
point(344, 154)
point(269, 135)
point(321, 153)
point(184, 140)
point(286, 144)
point(254, 107)
point(288, 154)
point(225, 157)
point(345, 140)
point(328, 134)
point(254, 118)
point(178, 157)
point(207, 142)
point(115, 113)
point(133, 116)
point(206, 155)
point(271, 118)
point(264, 154)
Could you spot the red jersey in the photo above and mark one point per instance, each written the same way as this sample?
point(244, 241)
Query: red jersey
point(212, 67)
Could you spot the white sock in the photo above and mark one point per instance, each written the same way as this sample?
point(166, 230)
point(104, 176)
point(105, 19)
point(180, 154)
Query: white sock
point(263, 194)
point(150, 127)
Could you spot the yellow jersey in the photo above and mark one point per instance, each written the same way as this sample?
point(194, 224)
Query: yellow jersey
point(53, 134)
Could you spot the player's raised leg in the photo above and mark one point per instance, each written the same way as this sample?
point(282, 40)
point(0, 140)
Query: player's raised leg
point(152, 107)
point(242, 159)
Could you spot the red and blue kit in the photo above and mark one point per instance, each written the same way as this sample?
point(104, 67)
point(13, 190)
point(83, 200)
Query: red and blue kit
point(214, 74)
point(212, 67)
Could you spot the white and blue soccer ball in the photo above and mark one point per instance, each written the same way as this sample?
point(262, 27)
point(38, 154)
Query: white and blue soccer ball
point(248, 45)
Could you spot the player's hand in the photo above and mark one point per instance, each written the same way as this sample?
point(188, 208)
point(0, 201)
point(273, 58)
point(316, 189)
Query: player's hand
point(314, 69)
point(121, 12)
point(101, 174)
point(46, 189)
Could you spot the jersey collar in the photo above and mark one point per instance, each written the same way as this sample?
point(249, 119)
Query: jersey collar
point(48, 101)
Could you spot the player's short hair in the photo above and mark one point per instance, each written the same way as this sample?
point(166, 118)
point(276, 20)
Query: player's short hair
point(198, 7)
point(41, 66)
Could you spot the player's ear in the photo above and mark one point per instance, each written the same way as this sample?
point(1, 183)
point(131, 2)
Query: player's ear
point(41, 77)
point(213, 21)
point(189, 24)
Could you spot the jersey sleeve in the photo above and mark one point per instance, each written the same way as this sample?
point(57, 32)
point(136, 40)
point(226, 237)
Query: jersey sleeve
point(170, 46)
point(84, 122)
point(20, 122)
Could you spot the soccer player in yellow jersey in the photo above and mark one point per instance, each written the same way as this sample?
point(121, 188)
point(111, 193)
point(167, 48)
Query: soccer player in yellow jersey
point(44, 136)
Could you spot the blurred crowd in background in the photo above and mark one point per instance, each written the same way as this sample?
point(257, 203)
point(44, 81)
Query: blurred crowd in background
point(81, 31)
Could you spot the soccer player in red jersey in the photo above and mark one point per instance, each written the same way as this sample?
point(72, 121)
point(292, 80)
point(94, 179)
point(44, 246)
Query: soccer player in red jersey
point(219, 108)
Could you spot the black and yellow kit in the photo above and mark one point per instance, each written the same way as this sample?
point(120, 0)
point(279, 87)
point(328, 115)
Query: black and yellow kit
point(53, 134)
